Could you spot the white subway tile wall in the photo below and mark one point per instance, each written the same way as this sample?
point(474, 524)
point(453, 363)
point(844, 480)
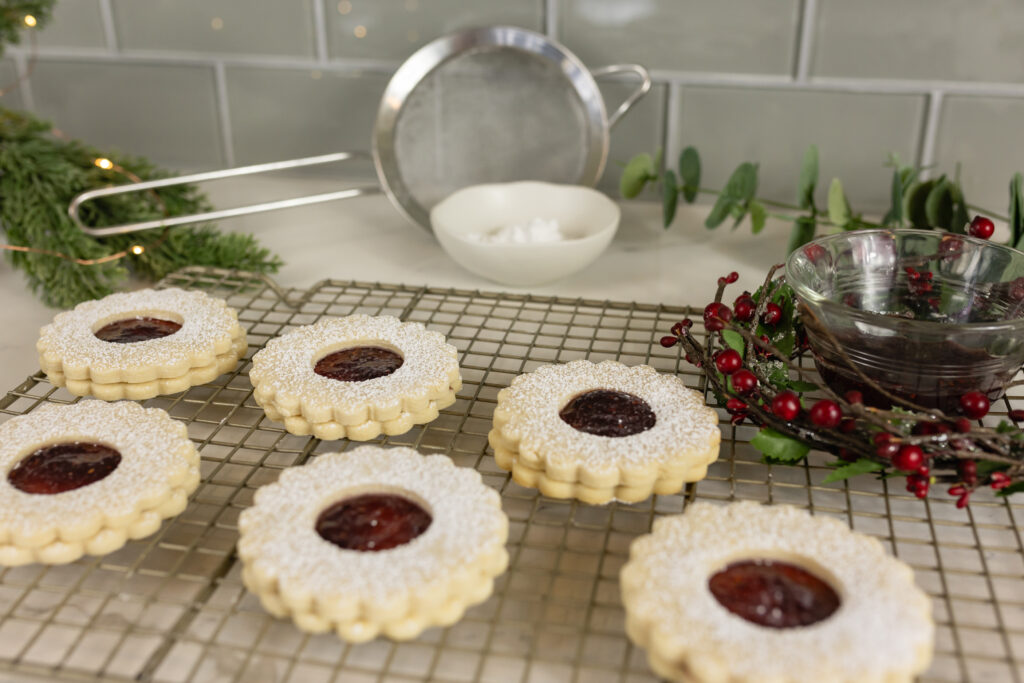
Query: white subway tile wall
point(198, 84)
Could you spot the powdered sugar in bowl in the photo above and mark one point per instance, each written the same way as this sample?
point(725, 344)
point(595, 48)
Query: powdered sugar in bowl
point(525, 233)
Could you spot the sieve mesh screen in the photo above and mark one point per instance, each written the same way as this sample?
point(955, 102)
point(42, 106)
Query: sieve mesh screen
point(488, 115)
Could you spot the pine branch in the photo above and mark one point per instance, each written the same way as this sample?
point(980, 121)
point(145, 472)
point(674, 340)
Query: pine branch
point(40, 174)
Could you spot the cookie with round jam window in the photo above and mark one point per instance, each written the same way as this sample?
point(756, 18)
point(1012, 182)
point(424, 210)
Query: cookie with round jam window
point(373, 541)
point(355, 377)
point(141, 344)
point(87, 477)
point(750, 593)
point(603, 431)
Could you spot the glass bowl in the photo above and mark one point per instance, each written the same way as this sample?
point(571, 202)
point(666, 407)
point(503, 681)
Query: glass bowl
point(926, 315)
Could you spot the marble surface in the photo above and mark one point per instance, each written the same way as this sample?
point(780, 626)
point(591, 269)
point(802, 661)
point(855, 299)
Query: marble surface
point(367, 239)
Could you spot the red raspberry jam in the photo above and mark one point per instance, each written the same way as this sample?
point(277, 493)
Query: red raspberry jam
point(608, 413)
point(773, 594)
point(63, 467)
point(139, 329)
point(358, 363)
point(372, 521)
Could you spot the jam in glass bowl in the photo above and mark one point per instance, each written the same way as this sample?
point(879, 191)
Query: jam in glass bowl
point(926, 315)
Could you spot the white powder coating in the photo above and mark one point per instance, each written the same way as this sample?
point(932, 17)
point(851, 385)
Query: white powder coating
point(69, 345)
point(279, 538)
point(881, 631)
point(528, 414)
point(534, 231)
point(156, 456)
point(283, 372)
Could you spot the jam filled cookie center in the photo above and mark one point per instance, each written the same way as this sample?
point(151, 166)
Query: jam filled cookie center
point(64, 467)
point(608, 413)
point(141, 328)
point(773, 594)
point(358, 363)
point(372, 521)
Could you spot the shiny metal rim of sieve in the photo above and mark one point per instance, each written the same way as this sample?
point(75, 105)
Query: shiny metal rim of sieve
point(412, 74)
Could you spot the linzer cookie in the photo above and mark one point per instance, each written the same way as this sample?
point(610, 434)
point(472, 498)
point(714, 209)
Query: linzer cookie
point(746, 593)
point(141, 344)
point(604, 431)
point(355, 377)
point(373, 541)
point(87, 477)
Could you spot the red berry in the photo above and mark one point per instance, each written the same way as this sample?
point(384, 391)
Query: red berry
point(887, 450)
point(717, 309)
point(963, 425)
point(1017, 415)
point(974, 405)
point(814, 252)
point(734, 405)
point(909, 458)
point(982, 227)
point(743, 308)
point(729, 279)
point(963, 500)
point(763, 348)
point(728, 361)
point(957, 490)
point(826, 413)
point(848, 425)
point(854, 397)
point(924, 471)
point(743, 381)
point(668, 341)
point(921, 489)
point(772, 314)
point(882, 437)
point(786, 405)
point(1000, 480)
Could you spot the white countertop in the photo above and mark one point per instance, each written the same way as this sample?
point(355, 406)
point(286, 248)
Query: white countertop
point(367, 239)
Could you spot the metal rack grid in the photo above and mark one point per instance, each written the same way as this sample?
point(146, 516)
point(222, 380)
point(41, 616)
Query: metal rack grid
point(172, 607)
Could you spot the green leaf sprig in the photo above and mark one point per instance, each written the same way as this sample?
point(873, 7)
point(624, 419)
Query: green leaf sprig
point(924, 204)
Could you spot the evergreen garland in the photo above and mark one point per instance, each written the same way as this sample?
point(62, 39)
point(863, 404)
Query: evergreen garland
point(40, 173)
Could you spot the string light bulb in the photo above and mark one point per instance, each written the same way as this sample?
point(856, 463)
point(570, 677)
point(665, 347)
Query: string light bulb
point(137, 249)
point(105, 164)
point(30, 21)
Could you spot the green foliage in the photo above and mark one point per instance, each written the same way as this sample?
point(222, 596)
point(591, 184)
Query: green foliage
point(808, 178)
point(779, 448)
point(12, 18)
point(852, 469)
point(40, 174)
point(734, 340)
point(934, 203)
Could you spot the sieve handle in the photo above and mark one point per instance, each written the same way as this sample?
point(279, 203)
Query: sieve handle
point(635, 69)
point(171, 221)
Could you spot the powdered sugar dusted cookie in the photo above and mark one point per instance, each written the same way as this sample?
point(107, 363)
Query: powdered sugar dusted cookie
point(373, 541)
point(355, 377)
point(746, 593)
point(141, 344)
point(87, 477)
point(604, 431)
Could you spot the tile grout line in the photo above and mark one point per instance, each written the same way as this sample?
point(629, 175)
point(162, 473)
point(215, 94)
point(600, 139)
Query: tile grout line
point(320, 31)
point(109, 27)
point(25, 83)
point(805, 41)
point(224, 114)
point(551, 18)
point(930, 132)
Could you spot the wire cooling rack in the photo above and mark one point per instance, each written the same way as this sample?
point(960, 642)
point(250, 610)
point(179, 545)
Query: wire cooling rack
point(172, 607)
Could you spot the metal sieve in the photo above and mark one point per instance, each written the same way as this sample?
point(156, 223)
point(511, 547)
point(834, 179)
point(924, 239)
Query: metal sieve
point(487, 105)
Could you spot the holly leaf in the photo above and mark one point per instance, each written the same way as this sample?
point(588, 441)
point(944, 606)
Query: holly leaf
point(734, 340)
point(808, 177)
point(689, 171)
point(758, 216)
point(669, 197)
point(638, 171)
point(958, 223)
point(801, 386)
point(852, 469)
point(938, 207)
point(1011, 489)
point(803, 232)
point(838, 207)
point(779, 448)
point(913, 204)
point(1017, 210)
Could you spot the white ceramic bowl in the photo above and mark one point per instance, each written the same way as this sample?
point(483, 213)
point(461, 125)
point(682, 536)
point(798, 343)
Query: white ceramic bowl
point(584, 214)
